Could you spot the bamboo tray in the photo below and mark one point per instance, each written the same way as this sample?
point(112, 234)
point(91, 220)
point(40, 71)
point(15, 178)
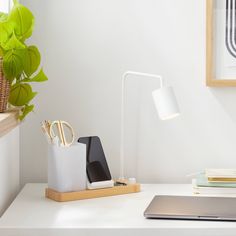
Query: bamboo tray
point(94, 193)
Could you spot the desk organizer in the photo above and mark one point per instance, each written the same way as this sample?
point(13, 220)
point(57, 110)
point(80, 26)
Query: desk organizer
point(67, 168)
point(94, 193)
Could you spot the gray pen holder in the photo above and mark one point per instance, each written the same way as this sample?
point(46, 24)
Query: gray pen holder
point(67, 168)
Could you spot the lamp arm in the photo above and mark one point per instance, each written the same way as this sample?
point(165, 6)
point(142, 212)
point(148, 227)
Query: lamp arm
point(124, 78)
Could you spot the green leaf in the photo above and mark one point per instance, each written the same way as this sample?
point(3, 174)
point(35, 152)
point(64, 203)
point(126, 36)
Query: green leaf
point(24, 20)
point(6, 30)
point(40, 77)
point(3, 16)
point(26, 110)
point(13, 43)
point(1, 52)
point(13, 63)
point(21, 94)
point(32, 60)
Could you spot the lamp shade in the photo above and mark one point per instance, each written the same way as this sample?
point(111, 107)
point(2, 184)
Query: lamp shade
point(165, 102)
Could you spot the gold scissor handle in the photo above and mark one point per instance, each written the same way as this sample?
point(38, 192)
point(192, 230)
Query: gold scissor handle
point(59, 124)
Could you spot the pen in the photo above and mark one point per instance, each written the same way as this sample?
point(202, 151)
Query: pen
point(46, 134)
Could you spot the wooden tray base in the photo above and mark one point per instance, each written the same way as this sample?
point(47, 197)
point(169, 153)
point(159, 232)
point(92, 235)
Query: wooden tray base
point(94, 193)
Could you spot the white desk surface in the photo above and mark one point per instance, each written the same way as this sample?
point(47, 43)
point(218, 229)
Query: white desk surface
point(31, 214)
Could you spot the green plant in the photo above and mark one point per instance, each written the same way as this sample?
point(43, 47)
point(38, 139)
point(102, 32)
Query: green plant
point(21, 63)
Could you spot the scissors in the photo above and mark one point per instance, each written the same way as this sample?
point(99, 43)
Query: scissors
point(57, 131)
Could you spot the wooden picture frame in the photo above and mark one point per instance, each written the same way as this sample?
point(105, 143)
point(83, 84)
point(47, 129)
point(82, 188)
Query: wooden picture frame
point(211, 79)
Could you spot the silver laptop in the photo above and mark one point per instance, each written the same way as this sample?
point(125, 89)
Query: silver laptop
point(192, 207)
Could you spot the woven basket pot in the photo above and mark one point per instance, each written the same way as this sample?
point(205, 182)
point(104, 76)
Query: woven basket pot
point(4, 89)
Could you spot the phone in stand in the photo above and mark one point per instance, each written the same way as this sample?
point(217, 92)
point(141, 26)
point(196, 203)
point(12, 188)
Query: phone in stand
point(97, 167)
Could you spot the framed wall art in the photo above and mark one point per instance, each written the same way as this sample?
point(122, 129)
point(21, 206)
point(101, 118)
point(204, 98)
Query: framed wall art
point(221, 43)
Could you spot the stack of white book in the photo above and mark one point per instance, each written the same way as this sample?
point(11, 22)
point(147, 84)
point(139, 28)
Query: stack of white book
point(215, 181)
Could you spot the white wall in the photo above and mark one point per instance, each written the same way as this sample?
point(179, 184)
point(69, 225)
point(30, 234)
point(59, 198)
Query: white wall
point(4, 7)
point(9, 168)
point(86, 45)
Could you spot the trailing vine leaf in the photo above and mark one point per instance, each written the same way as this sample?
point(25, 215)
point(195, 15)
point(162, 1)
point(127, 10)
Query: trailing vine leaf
point(24, 20)
point(3, 16)
point(32, 60)
point(21, 94)
point(6, 30)
point(25, 111)
point(13, 63)
point(40, 77)
point(13, 43)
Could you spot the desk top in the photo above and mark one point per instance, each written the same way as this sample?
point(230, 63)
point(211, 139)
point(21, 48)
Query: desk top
point(32, 210)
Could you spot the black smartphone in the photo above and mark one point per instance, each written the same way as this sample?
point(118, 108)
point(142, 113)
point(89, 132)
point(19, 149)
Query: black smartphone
point(97, 167)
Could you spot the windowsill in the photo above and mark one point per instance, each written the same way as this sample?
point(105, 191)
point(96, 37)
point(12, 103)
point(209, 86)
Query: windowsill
point(8, 121)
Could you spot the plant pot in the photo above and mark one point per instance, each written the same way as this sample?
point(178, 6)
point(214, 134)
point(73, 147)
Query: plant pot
point(4, 89)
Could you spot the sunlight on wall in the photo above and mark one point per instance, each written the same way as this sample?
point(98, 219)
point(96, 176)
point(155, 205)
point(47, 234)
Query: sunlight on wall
point(4, 6)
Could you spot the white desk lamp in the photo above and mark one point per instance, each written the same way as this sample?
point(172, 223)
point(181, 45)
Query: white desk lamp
point(164, 99)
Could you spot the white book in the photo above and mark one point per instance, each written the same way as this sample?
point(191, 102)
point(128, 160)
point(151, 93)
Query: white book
point(211, 190)
point(220, 173)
